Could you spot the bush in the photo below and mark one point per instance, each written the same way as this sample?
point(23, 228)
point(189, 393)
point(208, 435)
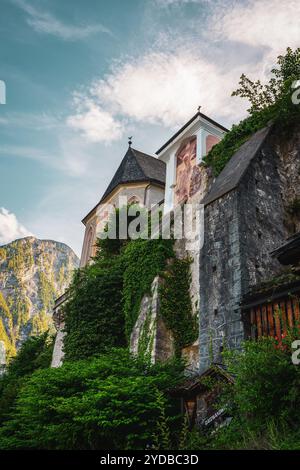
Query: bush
point(108, 402)
point(264, 401)
point(94, 319)
point(35, 353)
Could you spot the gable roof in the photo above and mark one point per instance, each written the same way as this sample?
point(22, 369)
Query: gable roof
point(135, 167)
point(198, 114)
point(234, 170)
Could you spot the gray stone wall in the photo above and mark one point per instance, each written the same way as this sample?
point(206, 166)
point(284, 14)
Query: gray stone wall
point(220, 280)
point(261, 218)
point(241, 229)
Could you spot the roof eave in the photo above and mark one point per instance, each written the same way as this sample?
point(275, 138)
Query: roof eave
point(103, 199)
point(186, 125)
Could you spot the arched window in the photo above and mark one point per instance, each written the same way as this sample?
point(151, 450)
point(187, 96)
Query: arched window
point(133, 200)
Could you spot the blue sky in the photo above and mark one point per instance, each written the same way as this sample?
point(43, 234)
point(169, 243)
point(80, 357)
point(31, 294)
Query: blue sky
point(82, 75)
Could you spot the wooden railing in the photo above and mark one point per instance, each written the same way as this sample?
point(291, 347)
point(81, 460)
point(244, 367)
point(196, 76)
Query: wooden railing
point(267, 316)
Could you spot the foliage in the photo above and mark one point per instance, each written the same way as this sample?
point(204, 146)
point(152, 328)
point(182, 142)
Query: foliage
point(105, 297)
point(262, 96)
point(35, 353)
point(143, 259)
point(108, 402)
point(176, 306)
point(264, 369)
point(162, 436)
point(112, 240)
point(94, 319)
point(264, 401)
point(222, 152)
point(270, 102)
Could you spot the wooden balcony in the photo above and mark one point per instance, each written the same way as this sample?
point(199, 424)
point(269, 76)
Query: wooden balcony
point(272, 312)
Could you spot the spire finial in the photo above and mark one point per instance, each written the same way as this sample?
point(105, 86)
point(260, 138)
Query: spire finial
point(199, 108)
point(129, 141)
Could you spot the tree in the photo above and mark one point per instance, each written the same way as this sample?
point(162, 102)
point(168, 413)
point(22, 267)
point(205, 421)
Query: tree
point(262, 96)
point(270, 103)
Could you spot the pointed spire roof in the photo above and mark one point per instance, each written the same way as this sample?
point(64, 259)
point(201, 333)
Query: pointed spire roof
point(135, 167)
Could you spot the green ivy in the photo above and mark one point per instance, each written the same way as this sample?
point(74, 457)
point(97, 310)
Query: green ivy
point(105, 297)
point(175, 304)
point(94, 319)
point(144, 260)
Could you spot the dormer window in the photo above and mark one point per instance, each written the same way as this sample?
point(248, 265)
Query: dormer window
point(183, 153)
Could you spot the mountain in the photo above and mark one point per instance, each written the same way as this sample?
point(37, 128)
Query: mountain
point(33, 273)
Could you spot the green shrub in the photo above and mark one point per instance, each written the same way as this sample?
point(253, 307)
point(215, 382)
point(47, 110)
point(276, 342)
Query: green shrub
point(35, 353)
point(108, 402)
point(264, 401)
point(94, 319)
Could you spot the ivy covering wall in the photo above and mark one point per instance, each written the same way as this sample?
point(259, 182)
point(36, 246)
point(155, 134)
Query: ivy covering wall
point(105, 297)
point(176, 306)
point(144, 259)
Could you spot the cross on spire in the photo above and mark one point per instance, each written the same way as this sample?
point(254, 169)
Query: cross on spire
point(130, 141)
point(199, 108)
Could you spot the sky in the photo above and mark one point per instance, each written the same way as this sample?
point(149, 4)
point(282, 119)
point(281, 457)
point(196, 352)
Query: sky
point(83, 75)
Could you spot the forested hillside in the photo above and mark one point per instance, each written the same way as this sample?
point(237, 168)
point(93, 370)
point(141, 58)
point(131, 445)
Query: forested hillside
point(32, 274)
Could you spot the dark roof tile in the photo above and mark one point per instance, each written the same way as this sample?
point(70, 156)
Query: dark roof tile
point(234, 170)
point(137, 166)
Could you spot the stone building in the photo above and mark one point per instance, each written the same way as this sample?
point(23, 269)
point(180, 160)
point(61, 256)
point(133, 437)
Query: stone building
point(250, 209)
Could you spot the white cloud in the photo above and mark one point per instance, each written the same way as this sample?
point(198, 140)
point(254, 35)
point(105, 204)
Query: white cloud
point(10, 227)
point(96, 124)
point(46, 23)
point(273, 24)
point(165, 88)
point(166, 84)
point(157, 88)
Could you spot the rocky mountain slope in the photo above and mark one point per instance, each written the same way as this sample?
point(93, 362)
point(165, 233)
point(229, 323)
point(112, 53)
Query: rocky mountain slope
point(32, 274)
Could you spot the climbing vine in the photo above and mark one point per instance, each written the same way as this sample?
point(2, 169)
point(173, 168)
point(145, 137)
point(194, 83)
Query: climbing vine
point(105, 298)
point(94, 319)
point(143, 259)
point(175, 304)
